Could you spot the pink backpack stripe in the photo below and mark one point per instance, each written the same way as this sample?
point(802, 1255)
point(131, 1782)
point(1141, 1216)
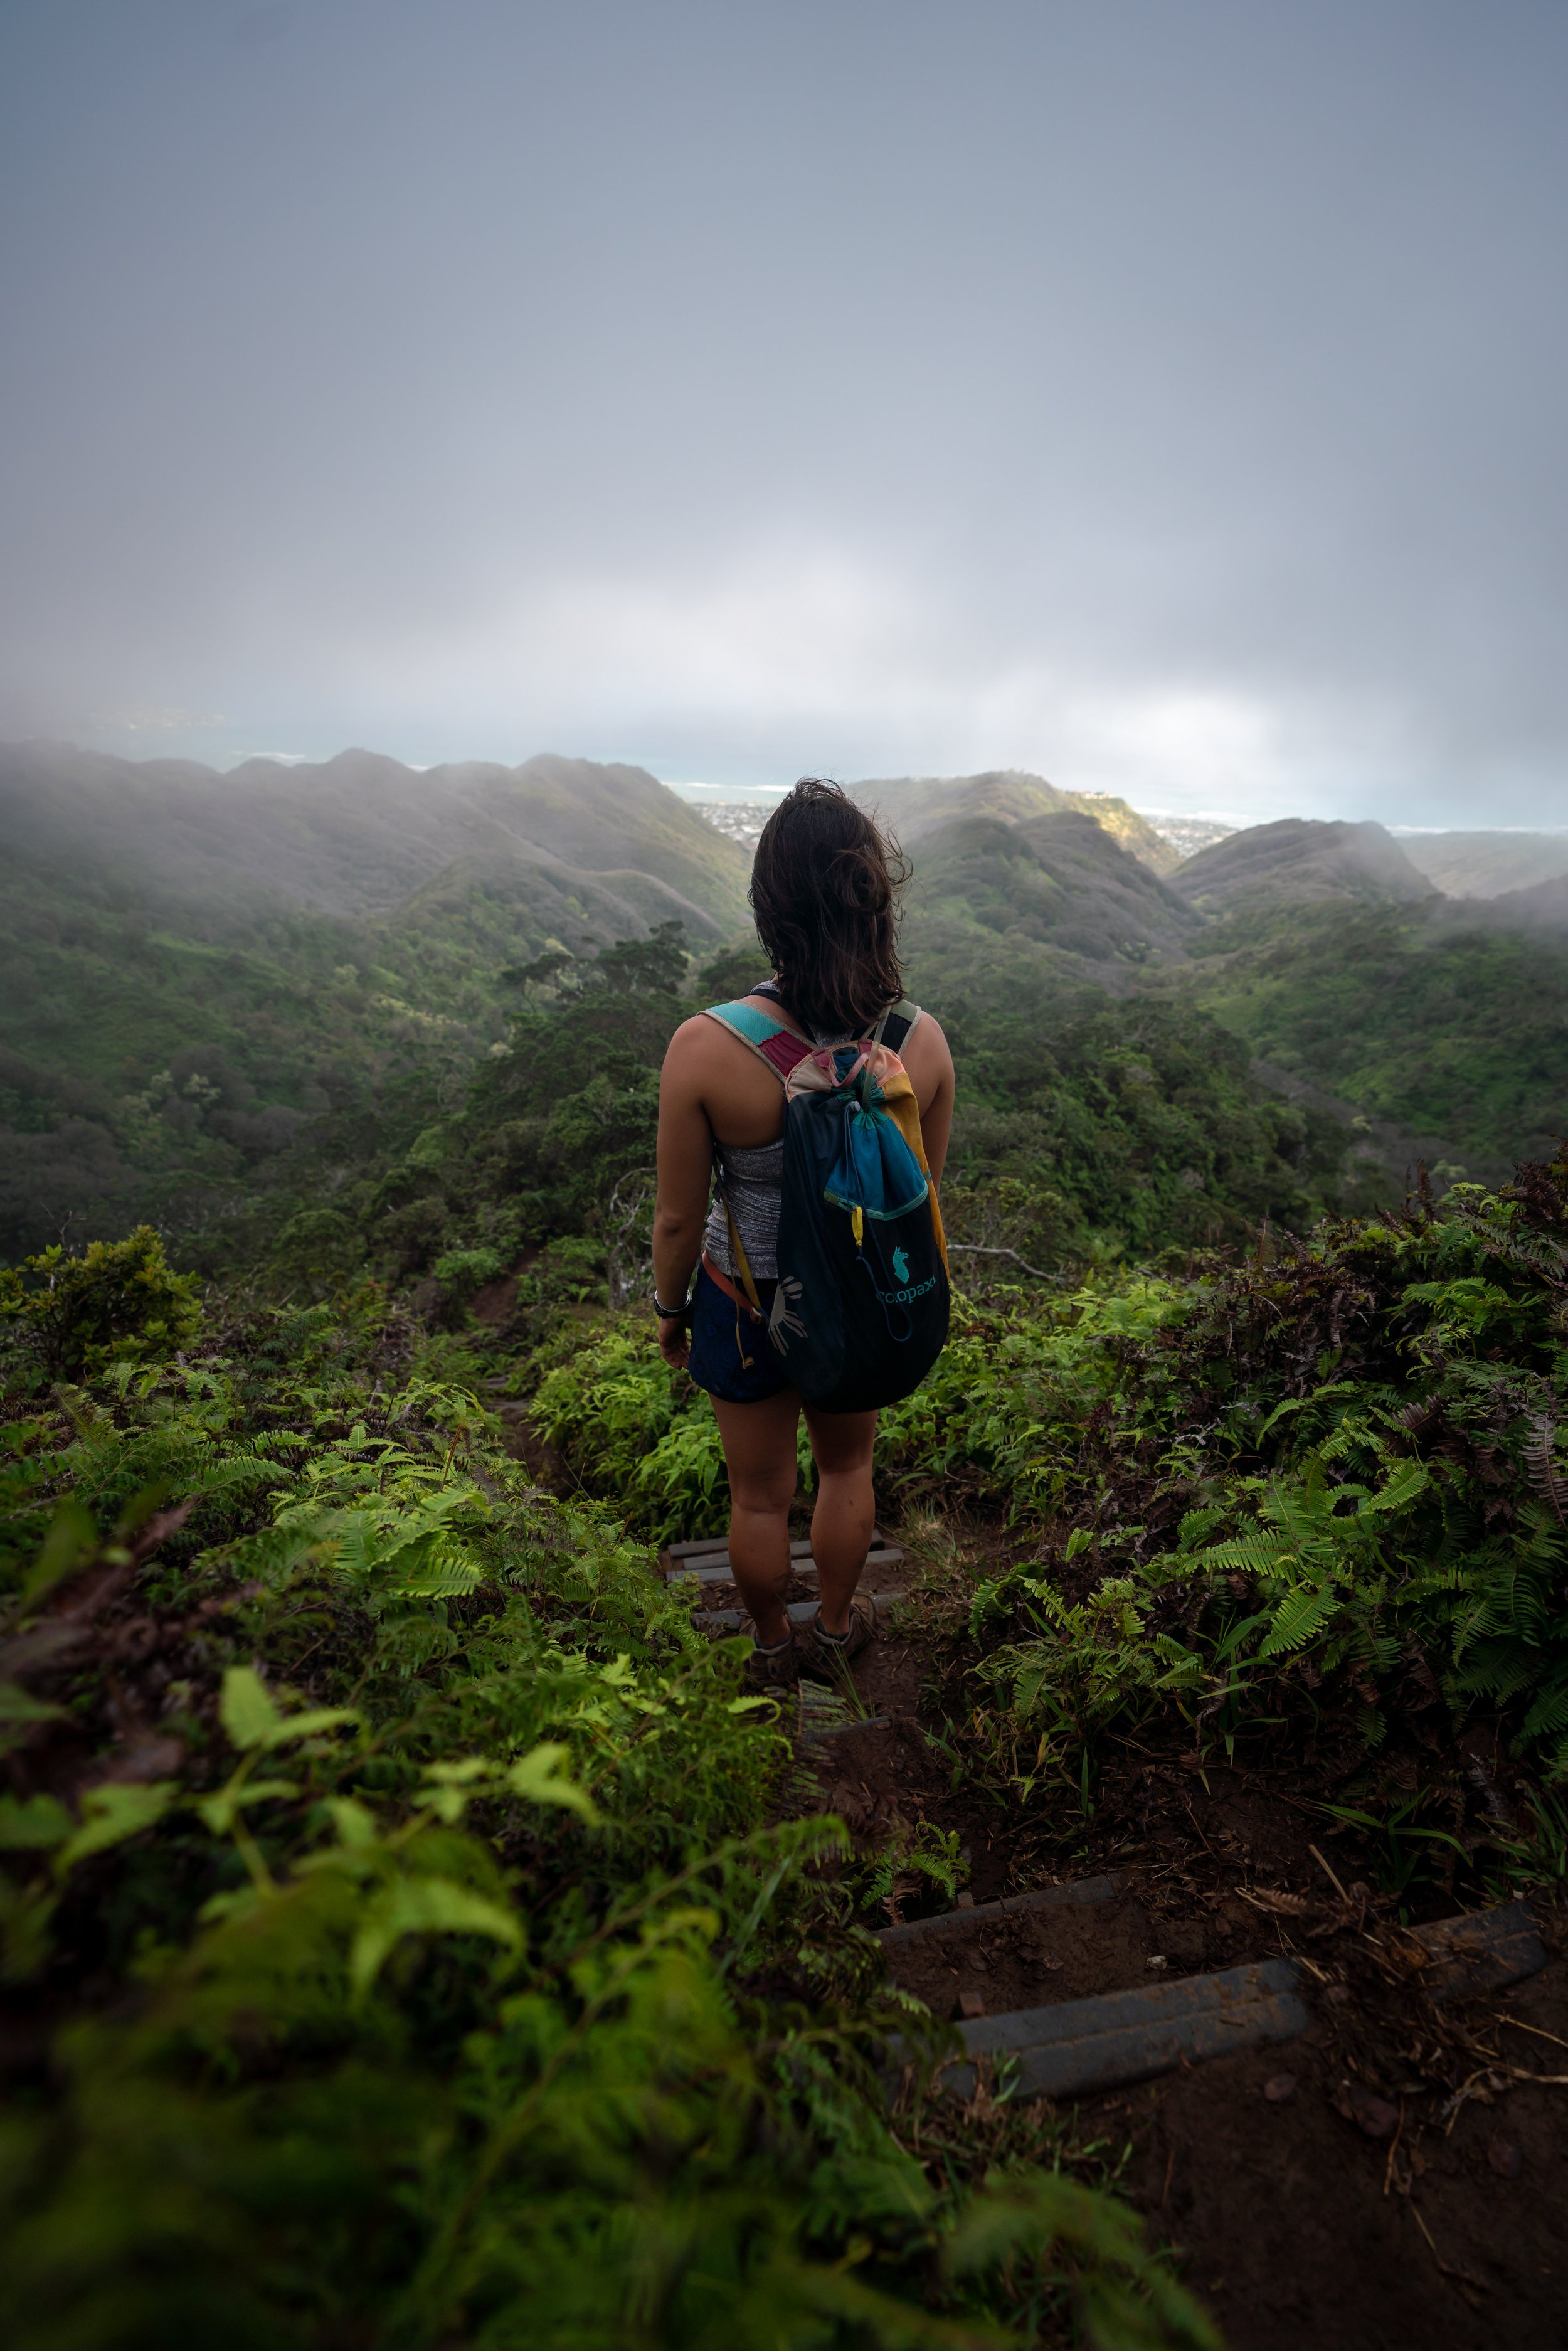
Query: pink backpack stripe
point(783, 1051)
point(769, 1038)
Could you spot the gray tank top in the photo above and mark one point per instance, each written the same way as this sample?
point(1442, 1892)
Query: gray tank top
point(753, 1186)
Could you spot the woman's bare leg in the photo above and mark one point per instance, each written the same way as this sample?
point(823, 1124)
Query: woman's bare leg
point(759, 1452)
point(845, 1512)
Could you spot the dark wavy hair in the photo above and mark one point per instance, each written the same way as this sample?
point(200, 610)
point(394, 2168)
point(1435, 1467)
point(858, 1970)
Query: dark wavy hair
point(824, 893)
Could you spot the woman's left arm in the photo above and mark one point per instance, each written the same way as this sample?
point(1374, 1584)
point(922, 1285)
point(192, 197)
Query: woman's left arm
point(685, 1169)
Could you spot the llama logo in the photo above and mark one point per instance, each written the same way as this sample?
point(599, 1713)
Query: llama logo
point(784, 1318)
point(900, 1268)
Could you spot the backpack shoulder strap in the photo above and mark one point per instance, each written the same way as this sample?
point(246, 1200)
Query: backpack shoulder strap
point(897, 1024)
point(768, 1039)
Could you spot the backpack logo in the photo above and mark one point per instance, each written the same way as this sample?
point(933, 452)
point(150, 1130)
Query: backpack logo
point(784, 1318)
point(900, 1266)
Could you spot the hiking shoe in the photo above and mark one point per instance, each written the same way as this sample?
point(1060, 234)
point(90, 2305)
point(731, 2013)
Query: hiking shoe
point(771, 1669)
point(827, 1660)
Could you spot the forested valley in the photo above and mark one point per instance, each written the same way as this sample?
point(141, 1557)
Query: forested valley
point(413, 1932)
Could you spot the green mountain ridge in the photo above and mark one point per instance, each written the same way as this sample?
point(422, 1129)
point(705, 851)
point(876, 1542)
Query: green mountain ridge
point(220, 988)
point(1421, 1029)
point(1439, 1026)
point(1542, 906)
point(1300, 861)
point(918, 806)
point(355, 835)
point(197, 964)
point(1056, 882)
point(1457, 1036)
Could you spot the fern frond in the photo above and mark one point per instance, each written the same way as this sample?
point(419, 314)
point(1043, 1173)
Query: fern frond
point(1399, 1489)
point(1543, 1475)
point(1256, 1552)
point(1300, 1615)
point(1549, 1713)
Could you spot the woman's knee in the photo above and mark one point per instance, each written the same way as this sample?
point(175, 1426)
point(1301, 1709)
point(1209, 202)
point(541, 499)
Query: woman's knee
point(763, 1497)
point(842, 1443)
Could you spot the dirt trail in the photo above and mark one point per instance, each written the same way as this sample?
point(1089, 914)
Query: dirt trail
point(1329, 2190)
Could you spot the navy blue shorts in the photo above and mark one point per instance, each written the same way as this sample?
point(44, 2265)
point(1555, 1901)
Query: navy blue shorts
point(722, 1335)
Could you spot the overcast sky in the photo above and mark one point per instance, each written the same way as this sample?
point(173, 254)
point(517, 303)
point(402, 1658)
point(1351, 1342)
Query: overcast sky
point(1164, 395)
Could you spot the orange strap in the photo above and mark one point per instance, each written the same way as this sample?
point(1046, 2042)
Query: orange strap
point(723, 1281)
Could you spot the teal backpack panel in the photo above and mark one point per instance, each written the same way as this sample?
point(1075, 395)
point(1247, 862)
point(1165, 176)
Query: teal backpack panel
point(860, 1311)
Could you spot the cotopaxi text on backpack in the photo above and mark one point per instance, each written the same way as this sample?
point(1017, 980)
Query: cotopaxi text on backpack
point(860, 1315)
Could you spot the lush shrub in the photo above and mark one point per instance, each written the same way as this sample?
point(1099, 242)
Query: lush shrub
point(637, 1433)
point(119, 1302)
point(1338, 1464)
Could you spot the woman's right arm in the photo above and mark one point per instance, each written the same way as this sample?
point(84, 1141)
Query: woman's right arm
point(685, 1167)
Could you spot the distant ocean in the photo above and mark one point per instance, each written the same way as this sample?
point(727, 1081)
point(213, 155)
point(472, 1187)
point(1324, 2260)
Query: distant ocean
point(753, 795)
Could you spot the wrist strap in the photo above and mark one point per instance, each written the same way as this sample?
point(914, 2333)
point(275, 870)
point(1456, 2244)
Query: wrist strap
point(675, 1313)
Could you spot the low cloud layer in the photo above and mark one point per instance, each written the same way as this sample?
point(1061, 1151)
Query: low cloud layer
point(1165, 399)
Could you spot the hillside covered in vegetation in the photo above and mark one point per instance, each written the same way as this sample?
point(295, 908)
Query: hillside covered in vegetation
point(199, 966)
point(1437, 1026)
point(413, 1934)
point(231, 998)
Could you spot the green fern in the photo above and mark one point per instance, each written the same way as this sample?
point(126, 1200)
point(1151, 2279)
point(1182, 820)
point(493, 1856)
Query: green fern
point(1300, 1616)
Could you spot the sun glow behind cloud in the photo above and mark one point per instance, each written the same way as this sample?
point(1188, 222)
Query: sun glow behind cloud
point(855, 667)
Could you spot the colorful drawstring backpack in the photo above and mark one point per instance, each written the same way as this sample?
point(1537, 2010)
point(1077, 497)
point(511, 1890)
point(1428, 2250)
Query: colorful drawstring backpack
point(860, 1313)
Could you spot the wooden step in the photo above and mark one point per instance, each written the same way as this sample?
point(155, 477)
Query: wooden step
point(1485, 1951)
point(1081, 1893)
point(1070, 2049)
point(727, 1620)
point(718, 1569)
point(705, 1544)
point(1120, 2037)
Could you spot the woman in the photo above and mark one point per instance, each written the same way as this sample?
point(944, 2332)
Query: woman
point(822, 894)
